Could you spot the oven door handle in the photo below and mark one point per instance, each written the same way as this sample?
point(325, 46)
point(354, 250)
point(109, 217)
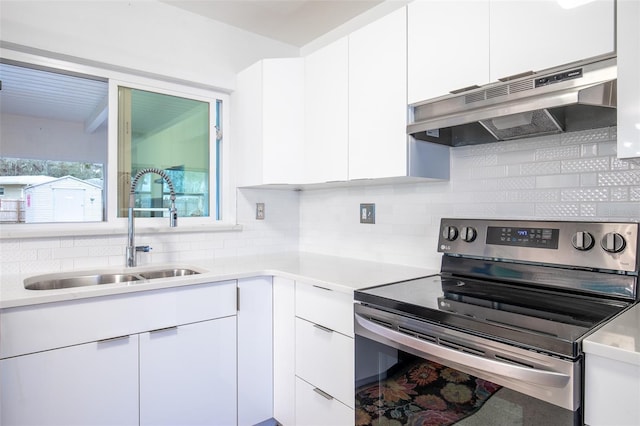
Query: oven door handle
point(511, 371)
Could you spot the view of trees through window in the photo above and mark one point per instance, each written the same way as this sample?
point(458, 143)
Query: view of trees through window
point(53, 168)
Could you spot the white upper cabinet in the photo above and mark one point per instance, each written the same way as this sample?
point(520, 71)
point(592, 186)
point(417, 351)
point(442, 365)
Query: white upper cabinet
point(326, 81)
point(458, 44)
point(535, 35)
point(377, 98)
point(268, 119)
point(448, 46)
point(628, 26)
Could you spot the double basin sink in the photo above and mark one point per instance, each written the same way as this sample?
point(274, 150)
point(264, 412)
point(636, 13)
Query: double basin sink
point(83, 280)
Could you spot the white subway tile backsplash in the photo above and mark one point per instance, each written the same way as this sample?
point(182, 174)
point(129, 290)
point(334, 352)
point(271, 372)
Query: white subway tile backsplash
point(588, 179)
point(558, 152)
point(541, 168)
point(619, 178)
point(608, 148)
point(585, 165)
point(570, 176)
point(619, 193)
point(581, 194)
point(519, 183)
point(557, 181)
point(589, 150)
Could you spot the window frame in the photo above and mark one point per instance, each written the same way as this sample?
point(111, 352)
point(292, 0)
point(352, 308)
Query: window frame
point(155, 83)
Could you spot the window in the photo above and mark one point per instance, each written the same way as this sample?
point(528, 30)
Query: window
point(172, 134)
point(54, 145)
point(62, 160)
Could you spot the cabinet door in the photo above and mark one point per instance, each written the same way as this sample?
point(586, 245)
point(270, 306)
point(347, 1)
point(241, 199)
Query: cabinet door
point(283, 120)
point(90, 384)
point(327, 113)
point(377, 98)
point(628, 27)
point(448, 46)
point(268, 108)
point(284, 350)
point(255, 354)
point(188, 374)
point(534, 35)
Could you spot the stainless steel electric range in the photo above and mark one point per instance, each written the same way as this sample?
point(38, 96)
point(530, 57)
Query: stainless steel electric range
point(511, 305)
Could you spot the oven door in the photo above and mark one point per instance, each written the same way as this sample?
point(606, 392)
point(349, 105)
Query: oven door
point(409, 372)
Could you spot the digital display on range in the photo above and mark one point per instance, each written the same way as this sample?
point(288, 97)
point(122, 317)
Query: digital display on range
point(523, 237)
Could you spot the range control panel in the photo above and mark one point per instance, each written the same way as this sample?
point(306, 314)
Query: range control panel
point(598, 245)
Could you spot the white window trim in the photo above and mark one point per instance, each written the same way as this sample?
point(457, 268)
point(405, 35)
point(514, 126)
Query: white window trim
point(112, 224)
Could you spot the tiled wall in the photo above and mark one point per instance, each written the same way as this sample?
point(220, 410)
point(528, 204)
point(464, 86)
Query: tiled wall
point(277, 233)
point(571, 176)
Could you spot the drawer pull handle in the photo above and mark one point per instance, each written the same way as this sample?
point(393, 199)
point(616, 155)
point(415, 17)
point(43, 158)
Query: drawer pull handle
point(323, 393)
point(160, 330)
point(318, 326)
point(322, 288)
point(112, 339)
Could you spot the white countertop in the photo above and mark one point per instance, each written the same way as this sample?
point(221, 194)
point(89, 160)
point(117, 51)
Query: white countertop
point(337, 273)
point(619, 339)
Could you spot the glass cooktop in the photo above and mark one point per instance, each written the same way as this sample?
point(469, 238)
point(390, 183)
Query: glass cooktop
point(540, 319)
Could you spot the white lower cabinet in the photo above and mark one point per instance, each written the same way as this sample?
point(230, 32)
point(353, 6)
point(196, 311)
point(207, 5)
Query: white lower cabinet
point(284, 351)
point(324, 356)
point(91, 384)
point(255, 353)
point(315, 408)
point(188, 374)
point(183, 373)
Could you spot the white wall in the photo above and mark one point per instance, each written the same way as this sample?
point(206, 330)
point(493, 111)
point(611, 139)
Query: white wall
point(278, 232)
point(144, 35)
point(574, 177)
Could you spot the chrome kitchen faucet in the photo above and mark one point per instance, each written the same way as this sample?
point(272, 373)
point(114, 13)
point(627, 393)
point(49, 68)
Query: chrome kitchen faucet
point(132, 249)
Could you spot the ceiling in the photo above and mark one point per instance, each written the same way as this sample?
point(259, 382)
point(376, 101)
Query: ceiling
point(38, 93)
point(295, 22)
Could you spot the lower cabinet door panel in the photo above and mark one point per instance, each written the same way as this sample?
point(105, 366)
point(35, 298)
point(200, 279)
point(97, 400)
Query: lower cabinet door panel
point(188, 374)
point(91, 384)
point(313, 408)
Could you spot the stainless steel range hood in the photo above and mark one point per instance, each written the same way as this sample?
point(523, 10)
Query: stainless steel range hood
point(578, 96)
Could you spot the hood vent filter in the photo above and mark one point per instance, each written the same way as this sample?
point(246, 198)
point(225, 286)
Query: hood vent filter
point(515, 126)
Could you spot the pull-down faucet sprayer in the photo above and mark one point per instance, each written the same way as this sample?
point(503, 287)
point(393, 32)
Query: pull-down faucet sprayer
point(173, 213)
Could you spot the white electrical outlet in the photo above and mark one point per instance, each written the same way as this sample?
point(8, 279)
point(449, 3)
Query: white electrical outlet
point(259, 211)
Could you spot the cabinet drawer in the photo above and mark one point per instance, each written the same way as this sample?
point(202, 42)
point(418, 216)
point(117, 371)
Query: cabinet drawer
point(37, 328)
point(312, 408)
point(331, 309)
point(325, 359)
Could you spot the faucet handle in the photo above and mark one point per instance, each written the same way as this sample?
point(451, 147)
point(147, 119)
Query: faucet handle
point(145, 249)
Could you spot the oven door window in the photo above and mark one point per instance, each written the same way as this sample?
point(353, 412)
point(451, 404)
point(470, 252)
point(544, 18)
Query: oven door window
point(397, 388)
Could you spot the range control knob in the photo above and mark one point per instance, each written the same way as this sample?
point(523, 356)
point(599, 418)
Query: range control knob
point(613, 242)
point(468, 234)
point(582, 240)
point(450, 233)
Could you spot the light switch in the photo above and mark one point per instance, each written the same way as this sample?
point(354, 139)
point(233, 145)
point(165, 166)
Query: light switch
point(368, 213)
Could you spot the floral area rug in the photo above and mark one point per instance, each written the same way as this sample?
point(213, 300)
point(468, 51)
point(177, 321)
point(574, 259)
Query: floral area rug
point(421, 393)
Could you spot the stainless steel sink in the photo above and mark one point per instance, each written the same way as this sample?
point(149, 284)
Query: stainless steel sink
point(79, 281)
point(168, 273)
point(58, 281)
